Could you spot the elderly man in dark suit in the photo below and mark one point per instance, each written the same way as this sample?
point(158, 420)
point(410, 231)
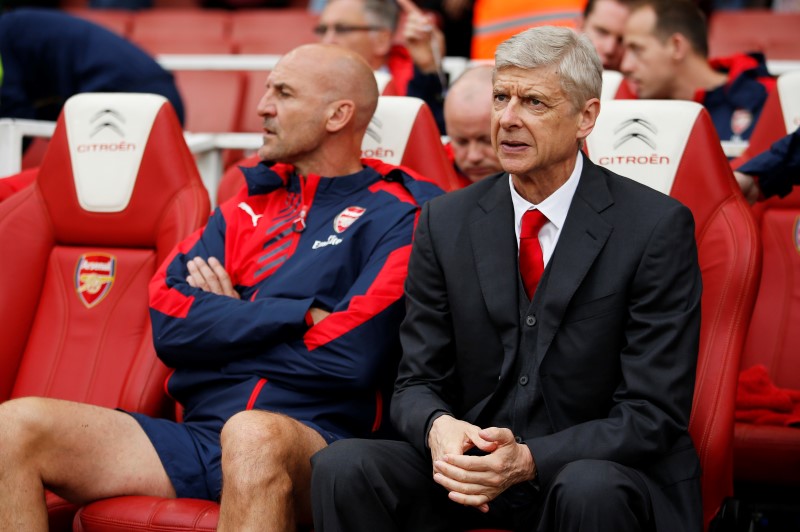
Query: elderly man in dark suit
point(550, 341)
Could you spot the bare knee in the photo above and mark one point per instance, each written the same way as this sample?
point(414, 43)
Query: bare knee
point(256, 444)
point(23, 423)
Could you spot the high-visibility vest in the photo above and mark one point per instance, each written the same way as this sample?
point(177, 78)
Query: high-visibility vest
point(495, 21)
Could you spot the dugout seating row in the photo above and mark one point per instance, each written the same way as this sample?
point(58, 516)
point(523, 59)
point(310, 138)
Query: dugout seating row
point(87, 245)
point(277, 30)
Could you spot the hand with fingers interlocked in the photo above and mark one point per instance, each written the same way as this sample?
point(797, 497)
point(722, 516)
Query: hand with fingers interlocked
point(477, 480)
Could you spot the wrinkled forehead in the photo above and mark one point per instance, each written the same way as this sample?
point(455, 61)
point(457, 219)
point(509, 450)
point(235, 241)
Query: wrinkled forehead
point(544, 78)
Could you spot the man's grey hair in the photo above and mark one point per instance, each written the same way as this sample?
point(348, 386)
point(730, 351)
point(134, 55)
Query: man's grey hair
point(382, 13)
point(579, 67)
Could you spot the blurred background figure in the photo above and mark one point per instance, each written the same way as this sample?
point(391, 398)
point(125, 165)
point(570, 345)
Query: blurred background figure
point(48, 56)
point(468, 113)
point(494, 21)
point(666, 57)
point(604, 23)
point(367, 27)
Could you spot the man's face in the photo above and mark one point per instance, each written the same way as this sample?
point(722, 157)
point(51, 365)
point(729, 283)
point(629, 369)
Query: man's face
point(605, 26)
point(469, 130)
point(347, 25)
point(647, 63)
point(293, 109)
point(535, 129)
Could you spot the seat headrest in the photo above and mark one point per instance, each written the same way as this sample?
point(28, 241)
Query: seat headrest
point(106, 131)
point(669, 145)
point(115, 162)
point(403, 132)
point(384, 80)
point(611, 82)
point(643, 140)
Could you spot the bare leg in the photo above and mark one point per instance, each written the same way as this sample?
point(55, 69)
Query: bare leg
point(81, 452)
point(266, 472)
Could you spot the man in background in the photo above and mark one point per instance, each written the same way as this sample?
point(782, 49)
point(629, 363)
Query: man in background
point(468, 115)
point(666, 57)
point(604, 23)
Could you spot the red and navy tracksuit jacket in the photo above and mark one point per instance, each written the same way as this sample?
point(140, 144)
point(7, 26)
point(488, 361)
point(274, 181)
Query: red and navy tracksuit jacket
point(736, 106)
point(289, 244)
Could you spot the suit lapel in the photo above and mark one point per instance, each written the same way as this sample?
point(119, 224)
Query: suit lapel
point(495, 253)
point(582, 238)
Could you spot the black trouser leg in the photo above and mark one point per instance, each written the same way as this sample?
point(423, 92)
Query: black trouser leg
point(597, 496)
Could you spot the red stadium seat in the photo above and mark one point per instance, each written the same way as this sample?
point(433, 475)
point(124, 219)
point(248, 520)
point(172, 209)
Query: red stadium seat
point(766, 453)
point(83, 243)
point(673, 147)
point(615, 87)
point(779, 117)
point(754, 30)
point(282, 28)
point(197, 24)
point(212, 99)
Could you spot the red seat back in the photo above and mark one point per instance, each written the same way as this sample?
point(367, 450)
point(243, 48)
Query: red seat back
point(673, 147)
point(749, 30)
point(212, 99)
point(195, 24)
point(769, 453)
point(779, 117)
point(116, 191)
point(280, 30)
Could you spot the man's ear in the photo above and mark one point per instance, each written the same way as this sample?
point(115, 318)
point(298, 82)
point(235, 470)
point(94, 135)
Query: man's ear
point(340, 113)
point(587, 118)
point(679, 46)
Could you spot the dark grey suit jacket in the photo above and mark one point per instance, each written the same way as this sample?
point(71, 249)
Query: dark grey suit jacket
point(618, 331)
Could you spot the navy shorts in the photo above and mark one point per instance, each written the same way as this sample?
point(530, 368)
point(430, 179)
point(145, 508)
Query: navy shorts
point(191, 453)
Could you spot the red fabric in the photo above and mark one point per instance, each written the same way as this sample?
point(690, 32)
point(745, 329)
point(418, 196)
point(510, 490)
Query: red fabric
point(531, 262)
point(760, 402)
point(401, 67)
point(15, 183)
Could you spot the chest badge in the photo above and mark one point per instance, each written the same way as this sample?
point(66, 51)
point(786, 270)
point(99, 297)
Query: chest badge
point(346, 218)
point(94, 276)
point(740, 121)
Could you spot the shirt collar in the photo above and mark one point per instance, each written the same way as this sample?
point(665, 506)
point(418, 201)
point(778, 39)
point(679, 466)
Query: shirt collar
point(555, 206)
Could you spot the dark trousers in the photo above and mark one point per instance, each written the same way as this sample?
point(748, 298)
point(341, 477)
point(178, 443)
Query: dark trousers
point(370, 485)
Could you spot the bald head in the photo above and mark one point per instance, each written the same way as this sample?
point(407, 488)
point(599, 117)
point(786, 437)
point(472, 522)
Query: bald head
point(467, 116)
point(471, 88)
point(317, 105)
point(338, 74)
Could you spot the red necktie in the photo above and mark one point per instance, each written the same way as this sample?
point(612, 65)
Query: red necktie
point(531, 262)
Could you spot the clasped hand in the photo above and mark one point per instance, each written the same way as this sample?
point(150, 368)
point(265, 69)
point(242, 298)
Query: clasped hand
point(477, 480)
point(212, 277)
